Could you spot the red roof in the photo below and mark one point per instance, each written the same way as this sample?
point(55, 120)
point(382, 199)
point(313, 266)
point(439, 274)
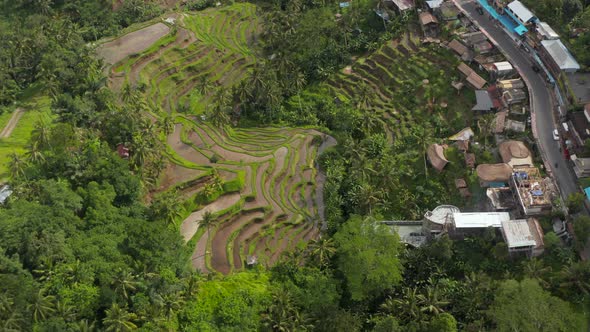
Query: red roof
point(495, 95)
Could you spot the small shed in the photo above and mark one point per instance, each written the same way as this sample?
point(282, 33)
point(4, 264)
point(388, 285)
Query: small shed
point(464, 134)
point(449, 11)
point(463, 145)
point(460, 183)
point(436, 156)
point(470, 160)
point(458, 47)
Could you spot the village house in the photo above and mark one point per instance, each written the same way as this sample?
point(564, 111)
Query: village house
point(579, 128)
point(581, 166)
point(515, 153)
point(557, 57)
point(436, 157)
point(493, 175)
point(472, 78)
point(513, 96)
point(484, 102)
point(530, 191)
point(523, 236)
point(429, 24)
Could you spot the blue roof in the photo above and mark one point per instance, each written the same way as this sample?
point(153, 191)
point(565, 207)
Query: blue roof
point(509, 22)
point(587, 191)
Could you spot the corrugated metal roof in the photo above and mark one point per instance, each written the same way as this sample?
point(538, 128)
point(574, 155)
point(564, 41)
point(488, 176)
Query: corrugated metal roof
point(434, 3)
point(518, 233)
point(560, 54)
point(480, 219)
point(520, 10)
point(546, 31)
point(503, 66)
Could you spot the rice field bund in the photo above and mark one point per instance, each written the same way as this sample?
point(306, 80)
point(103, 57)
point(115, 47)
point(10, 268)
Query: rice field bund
point(260, 185)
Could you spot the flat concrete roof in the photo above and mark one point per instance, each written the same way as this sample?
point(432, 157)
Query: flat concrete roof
point(480, 219)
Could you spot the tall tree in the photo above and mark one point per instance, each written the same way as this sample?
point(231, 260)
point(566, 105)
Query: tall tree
point(368, 258)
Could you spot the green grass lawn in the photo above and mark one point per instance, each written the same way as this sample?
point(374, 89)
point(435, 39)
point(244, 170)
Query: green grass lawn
point(36, 109)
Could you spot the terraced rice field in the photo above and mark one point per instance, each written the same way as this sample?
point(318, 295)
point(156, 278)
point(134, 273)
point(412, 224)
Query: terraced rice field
point(267, 193)
point(211, 46)
point(273, 202)
point(394, 79)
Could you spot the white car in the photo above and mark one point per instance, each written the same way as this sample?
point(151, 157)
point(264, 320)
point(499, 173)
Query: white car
point(555, 134)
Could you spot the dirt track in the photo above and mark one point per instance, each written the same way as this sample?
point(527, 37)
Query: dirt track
point(132, 43)
point(7, 131)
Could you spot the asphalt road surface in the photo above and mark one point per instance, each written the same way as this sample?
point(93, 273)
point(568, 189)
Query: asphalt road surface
point(542, 102)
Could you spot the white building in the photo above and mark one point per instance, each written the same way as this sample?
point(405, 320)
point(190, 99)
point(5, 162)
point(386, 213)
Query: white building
point(546, 32)
point(518, 11)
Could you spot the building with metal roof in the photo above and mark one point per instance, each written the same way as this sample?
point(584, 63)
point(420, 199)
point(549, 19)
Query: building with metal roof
point(523, 236)
point(484, 101)
point(519, 12)
point(557, 57)
point(480, 219)
point(545, 31)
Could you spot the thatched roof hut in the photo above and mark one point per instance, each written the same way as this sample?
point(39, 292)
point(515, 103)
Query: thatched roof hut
point(494, 172)
point(436, 157)
point(515, 153)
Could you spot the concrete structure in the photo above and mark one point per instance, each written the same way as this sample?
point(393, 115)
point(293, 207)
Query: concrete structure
point(530, 191)
point(410, 232)
point(545, 32)
point(579, 127)
point(501, 198)
point(449, 11)
point(438, 220)
point(581, 166)
point(513, 96)
point(523, 236)
point(474, 223)
point(557, 57)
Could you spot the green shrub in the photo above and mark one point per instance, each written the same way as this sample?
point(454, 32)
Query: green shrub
point(236, 184)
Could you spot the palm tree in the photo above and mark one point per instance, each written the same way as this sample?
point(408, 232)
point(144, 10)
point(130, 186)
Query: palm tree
point(430, 301)
point(167, 124)
point(207, 221)
point(17, 165)
point(322, 250)
point(487, 124)
point(118, 319)
point(577, 276)
point(216, 180)
point(86, 326)
point(535, 269)
point(283, 315)
point(192, 285)
point(409, 304)
point(170, 303)
point(41, 134)
point(34, 153)
point(424, 136)
point(13, 322)
point(124, 283)
point(363, 97)
point(42, 305)
point(65, 311)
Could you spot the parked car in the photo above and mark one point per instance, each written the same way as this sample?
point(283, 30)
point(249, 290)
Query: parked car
point(536, 68)
point(479, 10)
point(555, 135)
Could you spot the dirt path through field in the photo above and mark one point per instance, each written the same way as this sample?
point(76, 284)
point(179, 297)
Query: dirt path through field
point(131, 43)
point(190, 225)
point(7, 131)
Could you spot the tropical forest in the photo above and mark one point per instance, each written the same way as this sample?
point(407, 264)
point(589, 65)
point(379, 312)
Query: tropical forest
point(204, 165)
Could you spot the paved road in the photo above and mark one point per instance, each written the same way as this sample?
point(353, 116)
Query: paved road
point(542, 102)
